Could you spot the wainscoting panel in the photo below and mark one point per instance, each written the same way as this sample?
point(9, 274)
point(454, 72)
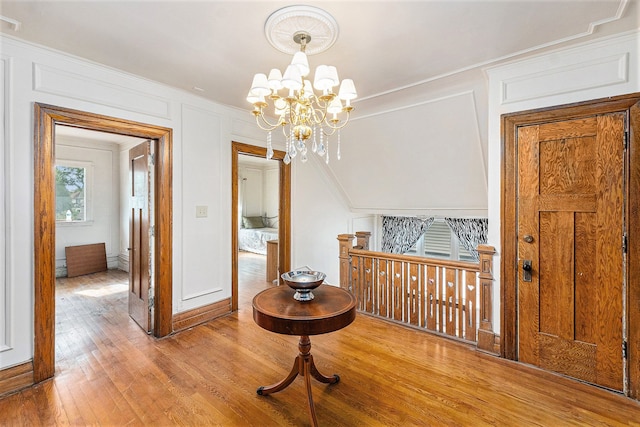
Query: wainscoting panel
point(4, 153)
point(204, 249)
point(59, 82)
point(600, 72)
point(595, 70)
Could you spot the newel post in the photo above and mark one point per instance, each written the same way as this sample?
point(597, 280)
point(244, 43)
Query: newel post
point(362, 240)
point(486, 335)
point(346, 242)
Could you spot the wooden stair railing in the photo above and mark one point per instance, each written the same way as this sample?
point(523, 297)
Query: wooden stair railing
point(452, 298)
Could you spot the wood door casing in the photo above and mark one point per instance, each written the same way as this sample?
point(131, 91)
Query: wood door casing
point(46, 117)
point(139, 278)
point(284, 211)
point(509, 268)
point(570, 201)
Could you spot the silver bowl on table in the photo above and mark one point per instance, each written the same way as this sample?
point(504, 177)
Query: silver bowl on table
point(303, 281)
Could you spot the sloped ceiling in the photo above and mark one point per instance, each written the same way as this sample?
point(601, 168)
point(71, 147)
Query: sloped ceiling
point(424, 159)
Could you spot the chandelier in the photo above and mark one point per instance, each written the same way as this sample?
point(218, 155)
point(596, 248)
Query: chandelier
point(304, 115)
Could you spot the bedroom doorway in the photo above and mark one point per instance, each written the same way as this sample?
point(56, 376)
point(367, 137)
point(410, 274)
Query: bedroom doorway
point(261, 209)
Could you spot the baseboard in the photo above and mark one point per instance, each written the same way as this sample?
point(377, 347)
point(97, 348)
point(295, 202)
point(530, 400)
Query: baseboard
point(496, 344)
point(190, 318)
point(488, 341)
point(113, 262)
point(123, 263)
point(16, 378)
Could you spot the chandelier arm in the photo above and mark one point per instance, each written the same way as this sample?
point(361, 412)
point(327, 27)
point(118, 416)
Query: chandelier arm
point(326, 132)
point(267, 126)
point(336, 127)
point(294, 117)
point(319, 114)
point(321, 103)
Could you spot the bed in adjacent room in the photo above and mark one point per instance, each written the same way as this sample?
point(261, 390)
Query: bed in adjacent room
point(253, 235)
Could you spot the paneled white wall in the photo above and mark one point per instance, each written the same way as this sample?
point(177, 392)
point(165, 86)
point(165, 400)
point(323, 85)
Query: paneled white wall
point(16, 336)
point(202, 135)
point(205, 239)
point(429, 154)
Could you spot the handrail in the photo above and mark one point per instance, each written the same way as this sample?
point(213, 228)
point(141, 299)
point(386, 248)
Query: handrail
point(467, 265)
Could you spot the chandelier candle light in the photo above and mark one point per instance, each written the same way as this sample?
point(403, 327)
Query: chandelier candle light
point(303, 114)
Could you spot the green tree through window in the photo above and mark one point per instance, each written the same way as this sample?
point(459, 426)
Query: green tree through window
point(70, 193)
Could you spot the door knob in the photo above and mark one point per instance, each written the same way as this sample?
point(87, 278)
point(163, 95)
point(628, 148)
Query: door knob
point(528, 238)
point(526, 270)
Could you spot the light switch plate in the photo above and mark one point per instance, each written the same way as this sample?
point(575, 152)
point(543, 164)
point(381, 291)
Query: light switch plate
point(201, 211)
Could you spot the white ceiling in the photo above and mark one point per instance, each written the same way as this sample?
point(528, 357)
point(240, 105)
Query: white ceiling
point(383, 46)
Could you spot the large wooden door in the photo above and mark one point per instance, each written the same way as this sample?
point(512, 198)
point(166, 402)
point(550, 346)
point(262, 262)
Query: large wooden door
point(570, 222)
point(139, 283)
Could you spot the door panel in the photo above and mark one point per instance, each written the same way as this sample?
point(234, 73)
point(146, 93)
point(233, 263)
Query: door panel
point(570, 201)
point(555, 274)
point(139, 278)
point(586, 277)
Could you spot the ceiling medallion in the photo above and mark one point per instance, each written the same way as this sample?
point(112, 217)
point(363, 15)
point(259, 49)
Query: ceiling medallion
point(319, 25)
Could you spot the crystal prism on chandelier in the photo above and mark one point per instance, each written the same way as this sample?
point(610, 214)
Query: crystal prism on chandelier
point(304, 115)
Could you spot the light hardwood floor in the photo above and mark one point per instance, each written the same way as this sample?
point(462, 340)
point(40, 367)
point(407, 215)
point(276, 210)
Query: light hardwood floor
point(110, 373)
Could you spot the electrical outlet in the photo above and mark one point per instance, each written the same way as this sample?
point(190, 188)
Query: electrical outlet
point(201, 211)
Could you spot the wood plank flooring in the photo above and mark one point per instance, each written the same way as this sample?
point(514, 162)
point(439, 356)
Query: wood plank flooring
point(108, 372)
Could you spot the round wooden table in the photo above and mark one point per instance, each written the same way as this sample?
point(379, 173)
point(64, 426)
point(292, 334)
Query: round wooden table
point(275, 310)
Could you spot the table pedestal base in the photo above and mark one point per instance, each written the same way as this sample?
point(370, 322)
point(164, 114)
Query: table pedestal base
point(303, 365)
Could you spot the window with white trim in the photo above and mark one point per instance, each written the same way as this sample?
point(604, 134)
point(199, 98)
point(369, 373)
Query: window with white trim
point(72, 191)
point(440, 242)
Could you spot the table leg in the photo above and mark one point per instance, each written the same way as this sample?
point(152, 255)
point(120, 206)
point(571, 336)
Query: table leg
point(305, 366)
point(263, 391)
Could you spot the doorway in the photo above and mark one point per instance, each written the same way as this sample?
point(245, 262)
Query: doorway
point(46, 117)
point(95, 206)
point(570, 229)
point(284, 210)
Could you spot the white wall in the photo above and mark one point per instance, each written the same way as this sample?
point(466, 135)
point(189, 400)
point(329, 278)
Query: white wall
point(252, 190)
point(271, 195)
point(102, 199)
point(258, 189)
point(319, 214)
